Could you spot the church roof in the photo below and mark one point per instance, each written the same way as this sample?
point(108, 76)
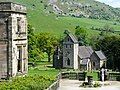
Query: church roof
point(100, 55)
point(84, 62)
point(73, 37)
point(89, 48)
point(85, 52)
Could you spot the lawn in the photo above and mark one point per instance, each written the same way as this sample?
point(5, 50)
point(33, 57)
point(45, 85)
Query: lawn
point(43, 68)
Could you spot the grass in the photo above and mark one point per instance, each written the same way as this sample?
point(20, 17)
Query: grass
point(43, 21)
point(38, 78)
point(43, 68)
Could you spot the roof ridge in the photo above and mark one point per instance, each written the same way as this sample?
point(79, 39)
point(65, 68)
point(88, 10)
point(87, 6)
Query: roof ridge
point(88, 50)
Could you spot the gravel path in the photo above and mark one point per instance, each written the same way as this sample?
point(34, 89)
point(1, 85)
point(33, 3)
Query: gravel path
point(74, 85)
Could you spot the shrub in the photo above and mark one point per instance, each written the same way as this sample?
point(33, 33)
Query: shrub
point(27, 83)
point(97, 84)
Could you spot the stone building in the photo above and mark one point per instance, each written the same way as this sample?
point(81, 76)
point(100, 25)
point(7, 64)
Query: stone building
point(57, 62)
point(78, 57)
point(13, 40)
point(70, 51)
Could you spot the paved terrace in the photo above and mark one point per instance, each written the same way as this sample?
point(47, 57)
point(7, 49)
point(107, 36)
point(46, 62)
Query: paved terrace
point(74, 85)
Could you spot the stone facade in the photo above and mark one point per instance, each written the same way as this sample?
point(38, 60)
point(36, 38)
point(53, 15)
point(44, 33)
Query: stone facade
point(57, 58)
point(13, 40)
point(98, 61)
point(73, 56)
point(70, 52)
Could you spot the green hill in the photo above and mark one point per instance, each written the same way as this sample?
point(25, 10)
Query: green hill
point(42, 19)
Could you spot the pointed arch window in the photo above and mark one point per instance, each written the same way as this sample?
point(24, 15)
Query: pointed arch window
point(68, 62)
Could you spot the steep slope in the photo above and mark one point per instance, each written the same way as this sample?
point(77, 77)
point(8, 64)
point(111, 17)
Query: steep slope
point(44, 19)
point(84, 8)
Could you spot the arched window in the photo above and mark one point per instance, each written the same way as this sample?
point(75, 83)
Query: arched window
point(94, 64)
point(68, 62)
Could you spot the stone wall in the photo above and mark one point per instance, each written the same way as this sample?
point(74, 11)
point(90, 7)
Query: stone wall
point(19, 38)
point(70, 50)
point(13, 33)
point(12, 7)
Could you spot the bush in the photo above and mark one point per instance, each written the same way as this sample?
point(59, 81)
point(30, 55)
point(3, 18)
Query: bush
point(97, 84)
point(27, 83)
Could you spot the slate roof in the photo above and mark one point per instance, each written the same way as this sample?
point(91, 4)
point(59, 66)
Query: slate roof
point(100, 55)
point(74, 39)
point(89, 48)
point(85, 52)
point(84, 62)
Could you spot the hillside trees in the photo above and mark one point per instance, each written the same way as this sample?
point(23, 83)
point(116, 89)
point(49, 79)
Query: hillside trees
point(81, 34)
point(46, 43)
point(41, 43)
point(33, 51)
point(110, 45)
point(107, 29)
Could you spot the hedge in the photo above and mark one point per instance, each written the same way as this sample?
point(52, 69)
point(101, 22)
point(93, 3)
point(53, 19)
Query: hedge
point(27, 83)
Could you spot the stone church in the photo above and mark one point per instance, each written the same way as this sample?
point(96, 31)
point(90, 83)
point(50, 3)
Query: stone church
point(13, 40)
point(71, 55)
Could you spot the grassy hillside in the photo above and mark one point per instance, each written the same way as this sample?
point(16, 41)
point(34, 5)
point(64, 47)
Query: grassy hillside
point(83, 8)
point(43, 21)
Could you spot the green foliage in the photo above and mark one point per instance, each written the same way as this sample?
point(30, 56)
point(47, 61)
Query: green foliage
point(38, 78)
point(81, 34)
point(94, 74)
point(47, 42)
point(43, 21)
point(43, 68)
point(33, 52)
point(27, 83)
point(106, 30)
point(110, 45)
point(96, 84)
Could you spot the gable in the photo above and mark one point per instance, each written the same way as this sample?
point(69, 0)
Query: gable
point(70, 38)
point(100, 55)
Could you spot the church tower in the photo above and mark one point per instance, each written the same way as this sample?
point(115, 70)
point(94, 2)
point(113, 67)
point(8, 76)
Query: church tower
point(70, 51)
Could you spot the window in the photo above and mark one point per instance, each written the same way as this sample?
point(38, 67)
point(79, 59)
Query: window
point(68, 62)
point(66, 46)
point(19, 58)
point(93, 63)
point(68, 39)
point(21, 26)
point(18, 25)
point(68, 52)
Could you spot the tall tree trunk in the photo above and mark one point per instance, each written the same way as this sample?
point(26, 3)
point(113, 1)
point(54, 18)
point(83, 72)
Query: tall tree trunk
point(49, 59)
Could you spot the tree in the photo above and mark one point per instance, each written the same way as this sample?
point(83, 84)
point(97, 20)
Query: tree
point(46, 42)
point(107, 29)
point(110, 45)
point(81, 35)
point(34, 53)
